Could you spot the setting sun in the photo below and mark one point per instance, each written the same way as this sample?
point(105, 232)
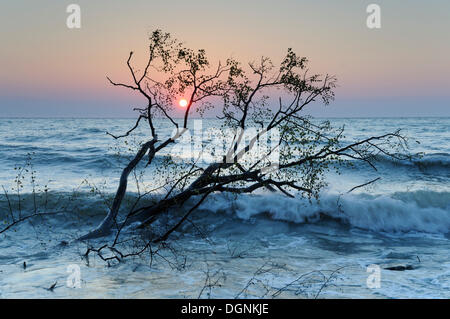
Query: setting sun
point(183, 102)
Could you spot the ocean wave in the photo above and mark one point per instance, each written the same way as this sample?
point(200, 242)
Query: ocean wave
point(92, 130)
point(422, 211)
point(426, 161)
point(87, 158)
point(400, 212)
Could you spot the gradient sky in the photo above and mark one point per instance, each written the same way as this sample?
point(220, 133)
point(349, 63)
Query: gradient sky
point(402, 69)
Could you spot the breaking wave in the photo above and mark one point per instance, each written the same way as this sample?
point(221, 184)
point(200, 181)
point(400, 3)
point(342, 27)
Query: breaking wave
point(418, 211)
point(421, 211)
point(427, 161)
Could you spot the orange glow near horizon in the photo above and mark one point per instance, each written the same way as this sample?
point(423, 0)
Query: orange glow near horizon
point(183, 102)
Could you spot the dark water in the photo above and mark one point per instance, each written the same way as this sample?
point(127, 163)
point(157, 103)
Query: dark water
point(402, 219)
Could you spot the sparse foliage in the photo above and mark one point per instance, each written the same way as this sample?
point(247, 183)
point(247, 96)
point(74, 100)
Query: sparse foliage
point(260, 94)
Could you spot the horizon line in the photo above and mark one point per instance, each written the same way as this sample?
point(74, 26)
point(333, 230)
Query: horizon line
point(208, 118)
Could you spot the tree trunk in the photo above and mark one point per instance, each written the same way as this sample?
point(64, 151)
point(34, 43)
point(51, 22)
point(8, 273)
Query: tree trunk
point(105, 226)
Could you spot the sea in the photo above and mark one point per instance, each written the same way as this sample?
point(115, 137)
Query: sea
point(389, 239)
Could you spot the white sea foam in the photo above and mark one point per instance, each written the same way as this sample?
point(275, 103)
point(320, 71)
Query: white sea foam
point(422, 211)
point(404, 218)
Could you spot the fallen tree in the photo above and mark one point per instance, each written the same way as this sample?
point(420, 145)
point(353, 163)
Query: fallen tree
point(260, 94)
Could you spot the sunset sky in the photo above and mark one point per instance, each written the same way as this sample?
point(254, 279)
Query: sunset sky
point(402, 69)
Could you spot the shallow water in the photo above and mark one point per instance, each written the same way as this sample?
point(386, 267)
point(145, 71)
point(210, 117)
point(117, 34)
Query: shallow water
point(404, 219)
